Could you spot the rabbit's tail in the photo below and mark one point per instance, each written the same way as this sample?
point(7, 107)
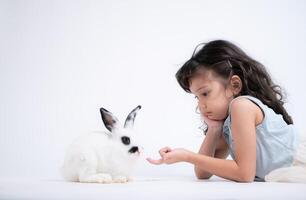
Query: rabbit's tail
point(295, 173)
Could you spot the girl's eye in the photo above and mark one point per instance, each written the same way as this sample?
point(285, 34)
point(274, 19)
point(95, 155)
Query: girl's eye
point(196, 97)
point(205, 94)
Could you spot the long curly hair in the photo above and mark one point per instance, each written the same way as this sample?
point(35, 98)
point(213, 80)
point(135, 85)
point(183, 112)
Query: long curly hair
point(226, 59)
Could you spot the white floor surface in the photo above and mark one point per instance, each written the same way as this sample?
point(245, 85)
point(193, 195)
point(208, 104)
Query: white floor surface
point(150, 188)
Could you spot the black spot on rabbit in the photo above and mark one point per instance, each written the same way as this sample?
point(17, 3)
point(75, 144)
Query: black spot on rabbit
point(133, 150)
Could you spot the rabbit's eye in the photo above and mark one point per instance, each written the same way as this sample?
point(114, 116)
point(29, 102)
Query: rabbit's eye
point(125, 140)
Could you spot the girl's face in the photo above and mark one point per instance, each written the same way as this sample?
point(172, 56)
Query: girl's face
point(212, 93)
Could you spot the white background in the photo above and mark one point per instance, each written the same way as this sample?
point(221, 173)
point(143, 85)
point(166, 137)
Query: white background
point(60, 61)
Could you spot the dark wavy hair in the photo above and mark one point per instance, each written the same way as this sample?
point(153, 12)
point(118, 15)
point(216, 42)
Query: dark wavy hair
point(226, 60)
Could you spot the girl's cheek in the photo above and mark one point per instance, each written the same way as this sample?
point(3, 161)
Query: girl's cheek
point(199, 107)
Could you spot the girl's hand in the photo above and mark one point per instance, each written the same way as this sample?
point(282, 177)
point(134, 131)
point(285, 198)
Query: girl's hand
point(214, 124)
point(170, 156)
point(215, 127)
point(162, 152)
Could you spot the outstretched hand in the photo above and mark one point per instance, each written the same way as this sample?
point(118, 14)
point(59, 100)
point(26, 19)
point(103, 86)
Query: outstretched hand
point(170, 156)
point(162, 153)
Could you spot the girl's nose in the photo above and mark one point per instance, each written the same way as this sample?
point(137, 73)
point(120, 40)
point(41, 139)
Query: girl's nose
point(202, 107)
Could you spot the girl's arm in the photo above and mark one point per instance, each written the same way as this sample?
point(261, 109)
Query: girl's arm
point(214, 145)
point(244, 115)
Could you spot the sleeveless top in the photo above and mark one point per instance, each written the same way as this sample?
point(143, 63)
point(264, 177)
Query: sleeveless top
point(276, 141)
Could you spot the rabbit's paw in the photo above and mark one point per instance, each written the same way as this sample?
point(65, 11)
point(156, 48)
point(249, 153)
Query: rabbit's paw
point(97, 178)
point(120, 179)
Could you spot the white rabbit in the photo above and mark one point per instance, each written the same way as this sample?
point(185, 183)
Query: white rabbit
point(104, 157)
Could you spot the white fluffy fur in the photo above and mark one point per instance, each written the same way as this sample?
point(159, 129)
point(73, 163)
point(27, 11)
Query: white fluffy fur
point(295, 173)
point(99, 158)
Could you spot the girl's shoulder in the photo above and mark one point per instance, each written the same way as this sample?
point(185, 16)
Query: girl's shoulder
point(245, 102)
point(247, 105)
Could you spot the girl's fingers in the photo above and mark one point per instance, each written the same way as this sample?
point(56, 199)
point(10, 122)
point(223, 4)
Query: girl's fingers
point(164, 150)
point(162, 153)
point(155, 162)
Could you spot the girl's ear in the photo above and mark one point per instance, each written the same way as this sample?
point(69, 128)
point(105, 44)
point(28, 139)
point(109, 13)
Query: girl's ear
point(236, 84)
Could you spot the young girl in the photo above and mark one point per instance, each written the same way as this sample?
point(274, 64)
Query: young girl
point(244, 113)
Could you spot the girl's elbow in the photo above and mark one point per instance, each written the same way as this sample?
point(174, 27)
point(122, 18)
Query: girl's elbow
point(246, 177)
point(202, 175)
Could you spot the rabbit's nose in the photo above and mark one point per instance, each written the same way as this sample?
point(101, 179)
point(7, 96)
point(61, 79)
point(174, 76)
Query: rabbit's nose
point(133, 150)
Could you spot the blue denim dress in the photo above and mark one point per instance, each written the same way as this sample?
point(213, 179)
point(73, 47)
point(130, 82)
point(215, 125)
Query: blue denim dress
point(276, 141)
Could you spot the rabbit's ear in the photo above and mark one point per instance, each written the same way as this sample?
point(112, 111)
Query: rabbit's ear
point(109, 120)
point(129, 122)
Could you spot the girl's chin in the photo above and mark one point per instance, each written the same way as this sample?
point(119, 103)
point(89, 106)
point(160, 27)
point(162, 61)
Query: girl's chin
point(214, 118)
point(211, 117)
